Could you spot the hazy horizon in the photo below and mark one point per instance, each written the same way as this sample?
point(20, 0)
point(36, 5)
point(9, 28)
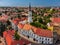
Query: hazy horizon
point(25, 3)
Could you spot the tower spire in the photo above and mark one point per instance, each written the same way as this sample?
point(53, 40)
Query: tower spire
point(29, 6)
point(30, 14)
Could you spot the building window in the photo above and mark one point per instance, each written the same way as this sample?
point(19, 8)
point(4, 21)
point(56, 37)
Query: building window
point(42, 38)
point(39, 39)
point(48, 42)
point(34, 39)
point(42, 42)
point(36, 36)
point(28, 36)
point(46, 39)
point(33, 35)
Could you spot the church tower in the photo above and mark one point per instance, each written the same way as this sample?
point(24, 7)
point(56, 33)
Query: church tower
point(30, 15)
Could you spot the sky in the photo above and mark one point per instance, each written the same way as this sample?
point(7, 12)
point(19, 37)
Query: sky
point(34, 3)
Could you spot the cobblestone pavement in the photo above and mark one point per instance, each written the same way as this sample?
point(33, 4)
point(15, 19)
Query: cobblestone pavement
point(2, 41)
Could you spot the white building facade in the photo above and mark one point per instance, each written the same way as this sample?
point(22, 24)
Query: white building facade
point(35, 37)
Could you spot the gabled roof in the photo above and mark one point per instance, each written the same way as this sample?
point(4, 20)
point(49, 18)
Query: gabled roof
point(38, 31)
point(34, 29)
point(44, 33)
point(27, 27)
point(3, 18)
point(20, 25)
point(23, 19)
point(11, 32)
point(56, 20)
point(16, 21)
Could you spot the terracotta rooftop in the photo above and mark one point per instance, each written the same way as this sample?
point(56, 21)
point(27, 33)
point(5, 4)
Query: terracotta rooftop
point(20, 25)
point(16, 21)
point(11, 32)
point(57, 20)
point(44, 33)
point(38, 31)
point(27, 27)
point(3, 18)
point(22, 19)
point(34, 29)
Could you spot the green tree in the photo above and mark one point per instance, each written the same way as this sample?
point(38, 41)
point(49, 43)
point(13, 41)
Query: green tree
point(40, 20)
point(16, 36)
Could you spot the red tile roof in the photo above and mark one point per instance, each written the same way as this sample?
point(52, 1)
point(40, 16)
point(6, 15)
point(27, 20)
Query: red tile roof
point(3, 19)
point(27, 27)
point(11, 32)
point(23, 19)
point(34, 29)
point(20, 25)
point(16, 21)
point(5, 16)
point(45, 33)
point(57, 20)
point(38, 31)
